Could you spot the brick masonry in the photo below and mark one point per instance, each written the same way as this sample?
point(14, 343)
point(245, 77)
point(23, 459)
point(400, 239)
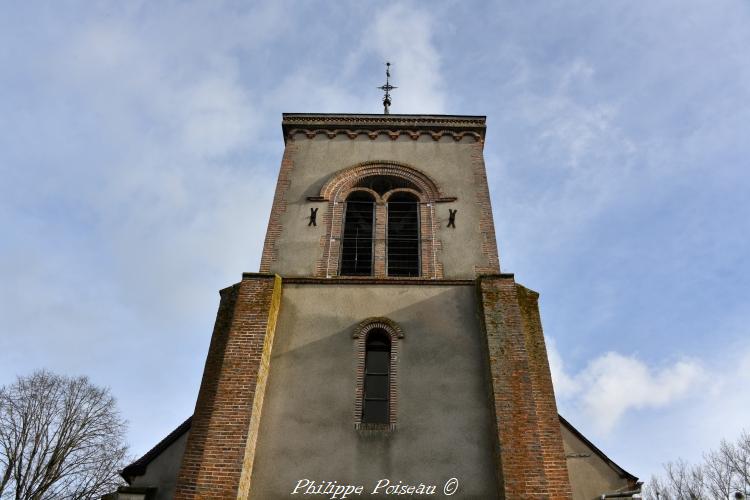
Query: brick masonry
point(486, 222)
point(278, 208)
point(219, 454)
point(530, 457)
point(548, 419)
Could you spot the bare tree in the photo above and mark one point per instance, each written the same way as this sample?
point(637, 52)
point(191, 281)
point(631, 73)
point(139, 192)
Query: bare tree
point(724, 474)
point(719, 477)
point(737, 457)
point(60, 438)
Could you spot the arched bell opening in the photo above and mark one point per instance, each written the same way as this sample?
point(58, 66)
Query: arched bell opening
point(358, 235)
point(403, 252)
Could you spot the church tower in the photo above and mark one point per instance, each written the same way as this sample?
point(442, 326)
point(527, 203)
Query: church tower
point(380, 339)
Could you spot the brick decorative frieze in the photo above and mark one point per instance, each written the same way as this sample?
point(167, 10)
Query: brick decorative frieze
point(530, 459)
point(393, 126)
point(220, 451)
point(374, 134)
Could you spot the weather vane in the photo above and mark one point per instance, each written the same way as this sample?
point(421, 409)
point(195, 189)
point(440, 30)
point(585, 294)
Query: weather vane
point(387, 89)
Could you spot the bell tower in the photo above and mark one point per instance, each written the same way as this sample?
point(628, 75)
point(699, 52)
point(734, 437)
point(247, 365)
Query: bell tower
point(379, 340)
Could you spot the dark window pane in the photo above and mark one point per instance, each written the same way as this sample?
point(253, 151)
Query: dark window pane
point(403, 236)
point(356, 244)
point(376, 387)
point(377, 362)
point(377, 368)
point(375, 412)
point(378, 340)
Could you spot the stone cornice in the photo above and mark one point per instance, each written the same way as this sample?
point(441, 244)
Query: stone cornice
point(352, 125)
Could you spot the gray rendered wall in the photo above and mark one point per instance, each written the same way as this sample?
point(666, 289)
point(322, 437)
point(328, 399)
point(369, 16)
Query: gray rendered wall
point(590, 476)
point(162, 471)
point(447, 162)
point(444, 424)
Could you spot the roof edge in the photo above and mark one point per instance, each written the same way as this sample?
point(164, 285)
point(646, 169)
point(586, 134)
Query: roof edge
point(596, 450)
point(138, 468)
point(390, 116)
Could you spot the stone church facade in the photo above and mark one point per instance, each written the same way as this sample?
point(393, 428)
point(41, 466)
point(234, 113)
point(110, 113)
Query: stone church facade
point(380, 340)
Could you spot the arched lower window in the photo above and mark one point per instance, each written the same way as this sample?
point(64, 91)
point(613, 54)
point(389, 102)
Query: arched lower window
point(376, 394)
point(356, 252)
point(403, 235)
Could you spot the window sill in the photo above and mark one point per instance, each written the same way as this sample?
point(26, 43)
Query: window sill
point(367, 429)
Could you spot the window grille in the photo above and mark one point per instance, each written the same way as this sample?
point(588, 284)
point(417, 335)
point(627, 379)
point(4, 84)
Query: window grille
point(403, 235)
point(356, 253)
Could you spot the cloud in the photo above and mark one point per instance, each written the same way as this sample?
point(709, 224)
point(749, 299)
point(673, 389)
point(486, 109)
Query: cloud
point(404, 36)
point(674, 410)
point(613, 384)
point(400, 34)
point(563, 157)
point(309, 88)
point(144, 151)
point(141, 186)
point(217, 116)
point(564, 383)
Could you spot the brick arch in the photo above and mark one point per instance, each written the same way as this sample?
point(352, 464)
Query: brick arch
point(417, 194)
point(386, 324)
point(361, 332)
point(375, 196)
point(348, 177)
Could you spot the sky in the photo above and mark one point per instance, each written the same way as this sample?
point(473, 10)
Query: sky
point(140, 144)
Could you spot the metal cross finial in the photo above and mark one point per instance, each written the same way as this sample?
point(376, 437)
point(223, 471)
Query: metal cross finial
point(387, 89)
